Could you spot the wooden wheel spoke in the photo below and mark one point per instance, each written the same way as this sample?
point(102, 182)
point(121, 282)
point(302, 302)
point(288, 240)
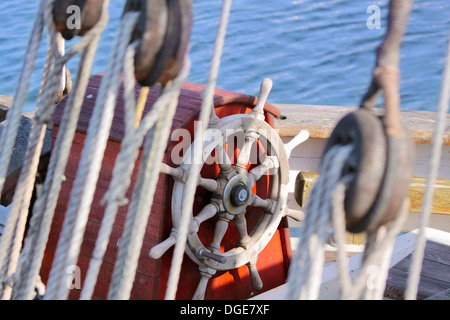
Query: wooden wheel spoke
point(255, 278)
point(157, 251)
point(243, 157)
point(223, 159)
point(241, 225)
point(219, 233)
point(206, 213)
point(300, 137)
point(205, 275)
point(209, 184)
point(176, 173)
point(257, 201)
point(258, 110)
point(269, 163)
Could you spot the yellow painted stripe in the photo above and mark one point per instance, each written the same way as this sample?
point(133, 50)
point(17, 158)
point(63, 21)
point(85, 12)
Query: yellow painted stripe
point(441, 200)
point(440, 205)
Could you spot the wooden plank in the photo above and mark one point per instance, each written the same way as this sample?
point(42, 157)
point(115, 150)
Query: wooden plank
point(434, 277)
point(396, 285)
point(416, 192)
point(438, 253)
point(430, 268)
point(440, 204)
point(321, 120)
point(444, 295)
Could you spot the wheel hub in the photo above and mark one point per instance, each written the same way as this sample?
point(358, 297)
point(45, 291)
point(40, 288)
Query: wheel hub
point(236, 194)
point(239, 195)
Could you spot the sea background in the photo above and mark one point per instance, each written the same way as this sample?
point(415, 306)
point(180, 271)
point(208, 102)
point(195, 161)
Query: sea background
point(316, 52)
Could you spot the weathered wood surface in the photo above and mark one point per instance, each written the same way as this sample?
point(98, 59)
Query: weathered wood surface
point(20, 147)
point(440, 204)
point(321, 120)
point(434, 278)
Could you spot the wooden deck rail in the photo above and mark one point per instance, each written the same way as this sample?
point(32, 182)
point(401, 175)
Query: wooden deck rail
point(321, 120)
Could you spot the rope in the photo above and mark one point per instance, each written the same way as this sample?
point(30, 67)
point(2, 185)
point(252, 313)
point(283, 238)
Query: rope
point(326, 206)
point(120, 179)
point(84, 185)
point(191, 183)
point(307, 263)
point(140, 207)
point(44, 207)
point(8, 137)
point(134, 135)
point(377, 253)
point(416, 265)
point(12, 242)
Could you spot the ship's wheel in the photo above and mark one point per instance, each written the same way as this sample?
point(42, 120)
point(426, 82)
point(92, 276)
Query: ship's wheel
point(245, 170)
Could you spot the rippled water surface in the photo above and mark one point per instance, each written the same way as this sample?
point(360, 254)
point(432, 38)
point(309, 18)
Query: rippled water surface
point(316, 52)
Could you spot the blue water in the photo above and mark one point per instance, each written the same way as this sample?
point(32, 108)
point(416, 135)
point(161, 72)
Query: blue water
point(316, 52)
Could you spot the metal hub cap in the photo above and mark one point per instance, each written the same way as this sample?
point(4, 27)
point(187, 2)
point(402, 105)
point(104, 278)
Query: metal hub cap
point(239, 195)
point(236, 194)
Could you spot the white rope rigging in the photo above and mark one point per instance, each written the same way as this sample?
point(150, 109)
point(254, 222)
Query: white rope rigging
point(8, 137)
point(120, 180)
point(7, 140)
point(139, 210)
point(44, 207)
point(191, 183)
point(88, 170)
point(306, 265)
point(12, 240)
point(76, 217)
point(370, 281)
point(436, 151)
point(325, 208)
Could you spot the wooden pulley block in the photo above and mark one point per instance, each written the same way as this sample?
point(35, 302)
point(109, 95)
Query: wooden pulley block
point(176, 61)
point(65, 15)
point(377, 172)
point(163, 32)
